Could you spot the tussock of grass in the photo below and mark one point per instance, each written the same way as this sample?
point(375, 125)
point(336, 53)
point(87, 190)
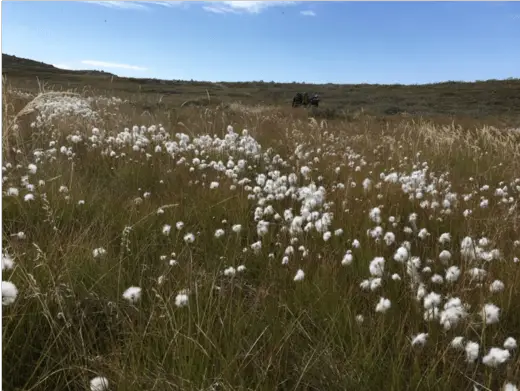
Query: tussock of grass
point(180, 254)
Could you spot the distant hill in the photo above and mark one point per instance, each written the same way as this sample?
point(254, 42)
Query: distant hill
point(13, 64)
point(490, 98)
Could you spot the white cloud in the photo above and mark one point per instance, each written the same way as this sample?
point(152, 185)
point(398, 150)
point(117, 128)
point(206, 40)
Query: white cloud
point(217, 7)
point(103, 64)
point(308, 13)
point(168, 4)
point(120, 4)
point(238, 7)
point(218, 10)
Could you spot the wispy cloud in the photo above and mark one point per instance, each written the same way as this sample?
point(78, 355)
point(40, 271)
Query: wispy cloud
point(240, 7)
point(308, 13)
point(103, 64)
point(168, 4)
point(217, 7)
point(120, 4)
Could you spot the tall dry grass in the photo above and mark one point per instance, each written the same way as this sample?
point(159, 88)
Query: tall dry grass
point(94, 186)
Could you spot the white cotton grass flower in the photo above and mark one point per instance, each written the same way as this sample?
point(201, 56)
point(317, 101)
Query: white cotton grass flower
point(99, 252)
point(181, 300)
point(166, 229)
point(219, 233)
point(437, 279)
point(454, 311)
point(99, 383)
point(383, 305)
point(12, 192)
point(300, 275)
point(326, 236)
point(377, 267)
point(28, 197)
point(445, 257)
point(490, 314)
point(213, 185)
point(401, 255)
point(457, 343)
point(241, 269)
point(483, 242)
point(347, 258)
point(510, 343)
point(472, 351)
point(189, 238)
point(256, 246)
point(179, 225)
point(32, 168)
point(375, 284)
point(396, 277)
point(7, 261)
point(467, 249)
point(132, 294)
point(452, 274)
point(389, 238)
point(432, 300)
point(360, 319)
point(497, 286)
point(230, 271)
point(423, 234)
point(9, 293)
point(365, 285)
point(420, 339)
point(445, 238)
point(495, 357)
point(476, 274)
point(509, 387)
point(375, 215)
point(236, 228)
point(262, 228)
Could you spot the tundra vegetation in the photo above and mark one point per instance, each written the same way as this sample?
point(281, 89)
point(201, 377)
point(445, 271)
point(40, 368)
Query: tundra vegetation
point(248, 247)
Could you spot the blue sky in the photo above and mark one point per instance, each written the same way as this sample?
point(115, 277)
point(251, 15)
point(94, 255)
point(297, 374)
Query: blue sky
point(315, 42)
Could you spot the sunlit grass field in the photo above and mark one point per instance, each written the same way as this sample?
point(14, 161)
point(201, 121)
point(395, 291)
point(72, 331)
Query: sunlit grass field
point(253, 248)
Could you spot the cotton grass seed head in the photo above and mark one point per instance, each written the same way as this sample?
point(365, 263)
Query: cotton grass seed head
point(383, 305)
point(490, 314)
point(496, 357)
point(472, 351)
point(7, 261)
point(99, 383)
point(300, 275)
point(420, 339)
point(166, 229)
point(132, 294)
point(181, 300)
point(189, 238)
point(9, 293)
point(510, 343)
